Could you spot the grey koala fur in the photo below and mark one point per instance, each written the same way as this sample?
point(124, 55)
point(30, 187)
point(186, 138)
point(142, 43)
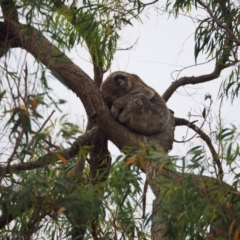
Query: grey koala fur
point(135, 104)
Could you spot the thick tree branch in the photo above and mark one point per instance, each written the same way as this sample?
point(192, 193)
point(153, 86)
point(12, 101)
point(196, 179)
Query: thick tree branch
point(10, 16)
point(205, 137)
point(9, 10)
point(79, 82)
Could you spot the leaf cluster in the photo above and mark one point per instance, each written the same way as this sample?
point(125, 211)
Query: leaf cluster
point(217, 28)
point(93, 24)
point(198, 207)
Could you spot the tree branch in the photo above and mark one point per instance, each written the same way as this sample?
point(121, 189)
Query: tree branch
point(192, 80)
point(205, 137)
point(9, 11)
point(220, 63)
point(80, 83)
point(83, 140)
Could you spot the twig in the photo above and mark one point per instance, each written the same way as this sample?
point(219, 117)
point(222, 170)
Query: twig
point(205, 137)
point(17, 144)
point(39, 130)
point(199, 127)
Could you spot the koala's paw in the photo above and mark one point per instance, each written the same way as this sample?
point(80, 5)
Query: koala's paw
point(115, 111)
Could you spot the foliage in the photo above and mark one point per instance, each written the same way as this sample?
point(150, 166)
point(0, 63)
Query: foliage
point(201, 208)
point(231, 86)
point(94, 24)
point(43, 192)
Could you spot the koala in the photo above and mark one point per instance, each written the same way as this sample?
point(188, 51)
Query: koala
point(134, 104)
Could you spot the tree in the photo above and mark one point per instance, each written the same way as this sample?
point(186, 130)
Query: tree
point(56, 184)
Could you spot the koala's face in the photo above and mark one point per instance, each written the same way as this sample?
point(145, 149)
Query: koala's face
point(115, 86)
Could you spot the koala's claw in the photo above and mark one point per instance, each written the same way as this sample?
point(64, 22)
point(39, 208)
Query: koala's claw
point(115, 112)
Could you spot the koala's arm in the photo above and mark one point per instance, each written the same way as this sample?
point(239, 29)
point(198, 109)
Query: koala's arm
point(121, 102)
point(119, 105)
point(149, 93)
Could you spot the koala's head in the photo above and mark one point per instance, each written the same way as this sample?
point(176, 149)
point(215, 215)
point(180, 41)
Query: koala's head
point(116, 85)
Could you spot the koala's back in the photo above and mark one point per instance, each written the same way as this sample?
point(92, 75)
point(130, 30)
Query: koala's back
point(135, 104)
point(145, 116)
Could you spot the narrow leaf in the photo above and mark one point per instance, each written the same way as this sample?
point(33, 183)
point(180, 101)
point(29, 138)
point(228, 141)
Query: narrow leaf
point(62, 158)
